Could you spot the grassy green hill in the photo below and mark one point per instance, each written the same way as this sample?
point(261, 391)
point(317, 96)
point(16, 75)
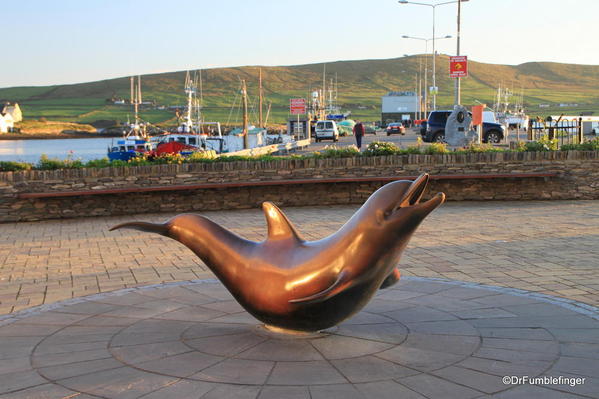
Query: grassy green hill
point(361, 84)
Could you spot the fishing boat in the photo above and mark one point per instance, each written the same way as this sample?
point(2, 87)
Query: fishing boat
point(135, 140)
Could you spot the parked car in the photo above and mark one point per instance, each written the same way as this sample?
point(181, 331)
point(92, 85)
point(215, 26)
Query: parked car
point(326, 130)
point(435, 129)
point(369, 128)
point(396, 128)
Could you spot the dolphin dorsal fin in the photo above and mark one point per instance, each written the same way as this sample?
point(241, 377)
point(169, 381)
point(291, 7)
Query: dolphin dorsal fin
point(279, 227)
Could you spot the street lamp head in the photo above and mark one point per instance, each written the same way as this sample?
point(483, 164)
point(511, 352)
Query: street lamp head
point(403, 1)
point(448, 37)
point(405, 37)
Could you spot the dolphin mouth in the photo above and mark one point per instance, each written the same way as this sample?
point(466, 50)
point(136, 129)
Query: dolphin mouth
point(411, 198)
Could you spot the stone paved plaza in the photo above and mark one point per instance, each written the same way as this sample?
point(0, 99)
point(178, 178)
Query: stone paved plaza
point(545, 247)
point(489, 291)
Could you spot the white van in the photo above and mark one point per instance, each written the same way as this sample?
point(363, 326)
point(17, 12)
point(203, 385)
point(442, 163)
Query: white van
point(326, 130)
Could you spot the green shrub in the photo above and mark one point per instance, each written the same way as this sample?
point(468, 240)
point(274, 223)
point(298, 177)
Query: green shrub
point(46, 163)
point(381, 148)
point(591, 145)
point(477, 148)
point(436, 148)
point(98, 163)
point(332, 151)
point(11, 166)
point(412, 149)
point(543, 144)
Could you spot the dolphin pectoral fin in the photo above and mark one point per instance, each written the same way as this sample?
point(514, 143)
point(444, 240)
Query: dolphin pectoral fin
point(279, 227)
point(337, 287)
point(143, 226)
point(391, 279)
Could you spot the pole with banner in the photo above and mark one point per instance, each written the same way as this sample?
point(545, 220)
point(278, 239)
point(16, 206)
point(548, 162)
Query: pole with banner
point(478, 119)
point(297, 106)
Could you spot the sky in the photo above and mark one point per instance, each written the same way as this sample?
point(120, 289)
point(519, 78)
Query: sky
point(71, 41)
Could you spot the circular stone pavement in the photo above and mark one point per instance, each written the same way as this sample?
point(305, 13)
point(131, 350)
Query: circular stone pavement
point(422, 338)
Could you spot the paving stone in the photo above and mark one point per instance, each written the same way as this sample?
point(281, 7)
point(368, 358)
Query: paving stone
point(502, 368)
point(19, 380)
point(577, 349)
point(339, 347)
point(226, 345)
point(455, 344)
point(387, 390)
point(419, 359)
point(305, 373)
point(370, 368)
point(534, 392)
point(449, 327)
point(53, 359)
point(417, 314)
point(181, 365)
point(282, 350)
point(341, 391)
point(182, 389)
point(387, 333)
point(233, 392)
point(122, 383)
point(474, 379)
point(576, 365)
point(58, 372)
point(237, 371)
point(289, 392)
point(46, 391)
point(134, 354)
point(434, 387)
point(588, 387)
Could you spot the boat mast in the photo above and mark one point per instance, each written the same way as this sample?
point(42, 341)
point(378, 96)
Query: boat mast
point(260, 122)
point(246, 141)
point(190, 91)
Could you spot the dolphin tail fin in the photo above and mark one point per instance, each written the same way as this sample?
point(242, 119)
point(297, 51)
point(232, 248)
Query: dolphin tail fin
point(337, 287)
point(391, 279)
point(158, 228)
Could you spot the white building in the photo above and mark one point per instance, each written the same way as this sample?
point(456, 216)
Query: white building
point(399, 106)
point(13, 110)
point(6, 123)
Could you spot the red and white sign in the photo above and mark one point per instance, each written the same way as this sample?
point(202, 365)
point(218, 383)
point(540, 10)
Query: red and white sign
point(458, 66)
point(297, 106)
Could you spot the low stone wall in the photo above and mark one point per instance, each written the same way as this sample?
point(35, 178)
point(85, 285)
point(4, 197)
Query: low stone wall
point(578, 179)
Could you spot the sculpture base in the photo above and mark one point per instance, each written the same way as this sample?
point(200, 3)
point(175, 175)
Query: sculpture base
point(282, 333)
point(193, 339)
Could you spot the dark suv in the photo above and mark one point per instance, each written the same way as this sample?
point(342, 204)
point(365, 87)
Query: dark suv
point(435, 129)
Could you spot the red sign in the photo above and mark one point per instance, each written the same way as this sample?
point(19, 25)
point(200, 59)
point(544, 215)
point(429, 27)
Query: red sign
point(297, 106)
point(458, 66)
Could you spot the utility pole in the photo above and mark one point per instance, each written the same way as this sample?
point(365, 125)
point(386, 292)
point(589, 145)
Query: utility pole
point(457, 88)
point(244, 94)
point(434, 65)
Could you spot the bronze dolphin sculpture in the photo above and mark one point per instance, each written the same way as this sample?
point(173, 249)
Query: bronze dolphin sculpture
point(300, 285)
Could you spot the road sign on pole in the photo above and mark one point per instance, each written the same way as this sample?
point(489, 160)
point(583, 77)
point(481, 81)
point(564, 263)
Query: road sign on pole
point(458, 66)
point(297, 106)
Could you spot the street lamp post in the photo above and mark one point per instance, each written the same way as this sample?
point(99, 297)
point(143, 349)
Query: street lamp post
point(457, 89)
point(434, 6)
point(426, 70)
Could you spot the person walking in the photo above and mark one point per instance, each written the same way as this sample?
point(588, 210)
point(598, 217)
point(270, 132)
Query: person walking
point(359, 133)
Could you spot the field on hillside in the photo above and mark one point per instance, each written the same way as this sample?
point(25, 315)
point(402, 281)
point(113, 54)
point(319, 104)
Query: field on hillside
point(360, 86)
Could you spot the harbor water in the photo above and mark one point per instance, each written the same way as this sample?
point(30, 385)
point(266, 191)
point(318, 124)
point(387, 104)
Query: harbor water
point(31, 150)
